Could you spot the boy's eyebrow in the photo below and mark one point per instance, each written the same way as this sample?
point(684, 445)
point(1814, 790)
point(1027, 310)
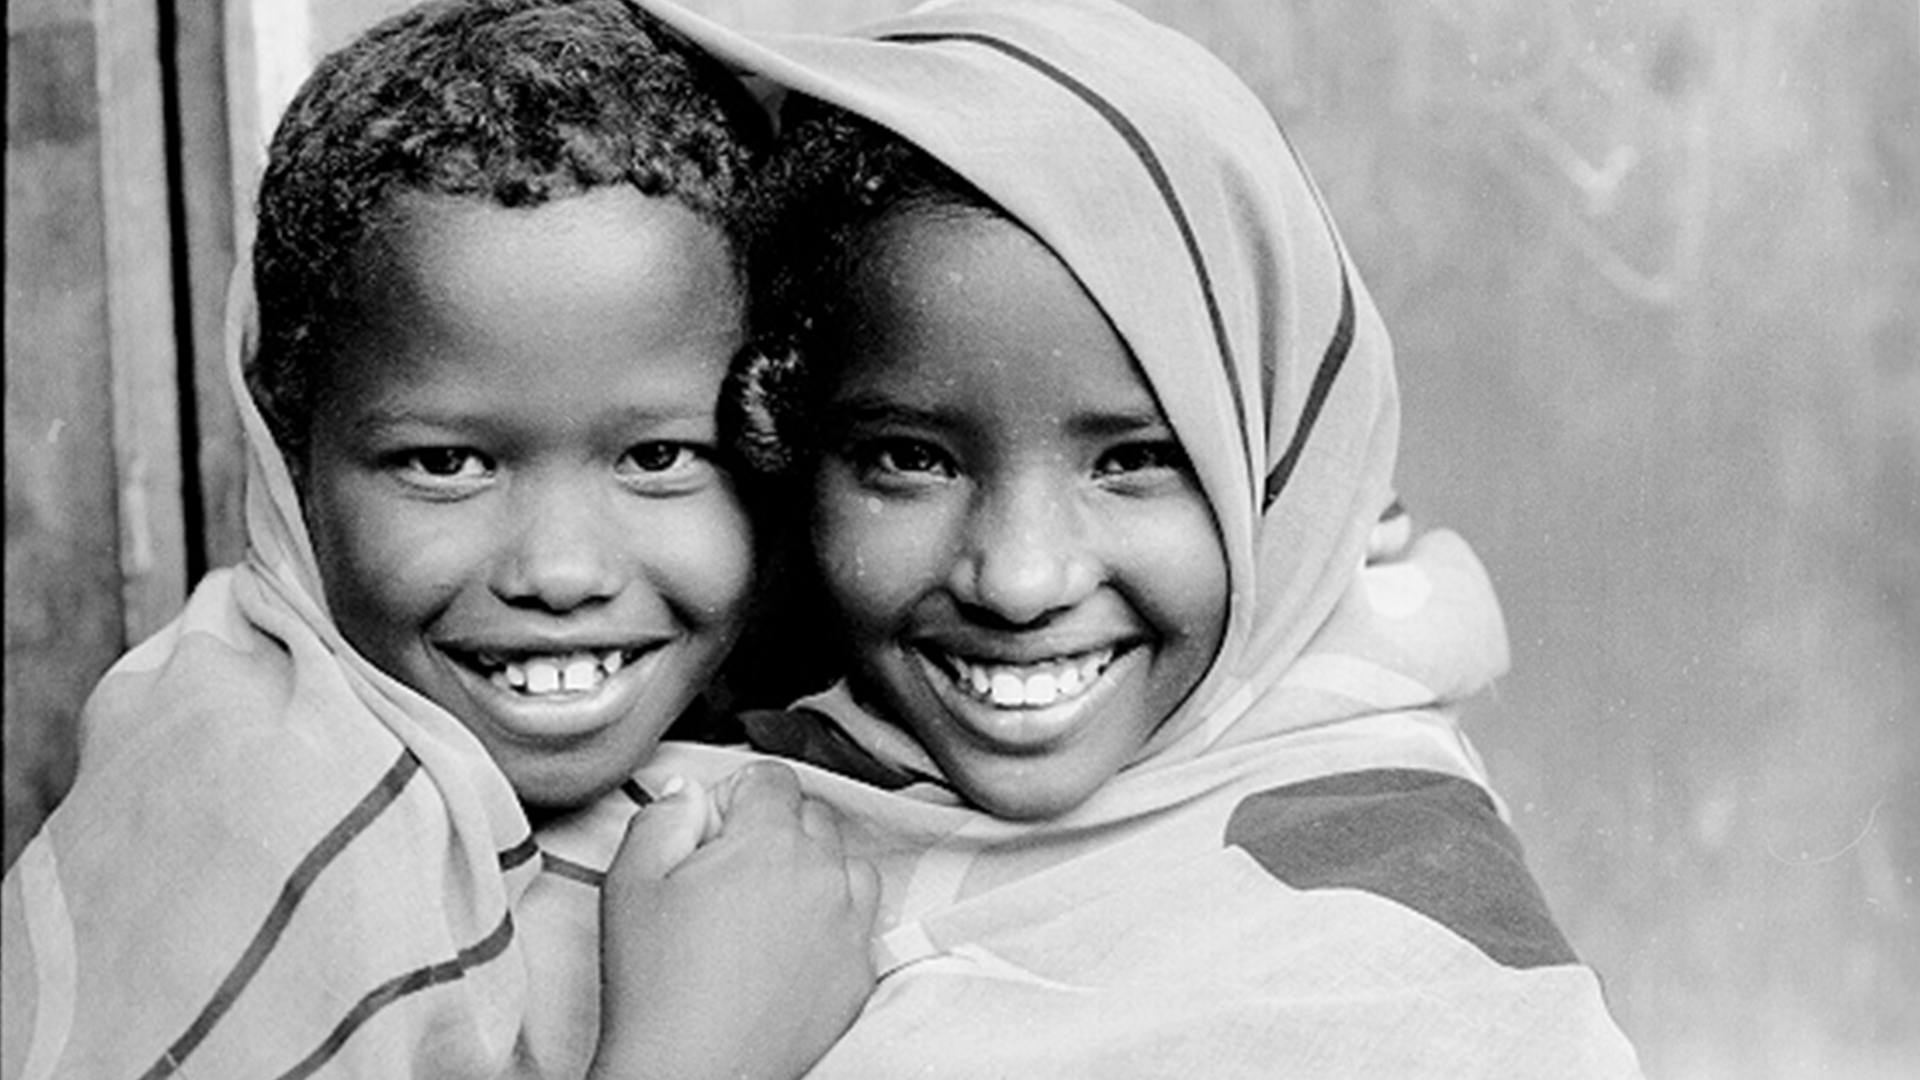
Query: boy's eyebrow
point(377, 418)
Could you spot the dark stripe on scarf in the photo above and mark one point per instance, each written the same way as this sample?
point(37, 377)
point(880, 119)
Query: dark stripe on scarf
point(1337, 348)
point(572, 871)
point(1330, 363)
point(1425, 840)
point(632, 789)
point(1143, 150)
point(369, 808)
point(809, 735)
point(518, 854)
point(399, 987)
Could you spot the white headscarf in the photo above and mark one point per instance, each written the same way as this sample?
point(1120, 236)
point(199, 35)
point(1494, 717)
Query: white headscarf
point(1168, 190)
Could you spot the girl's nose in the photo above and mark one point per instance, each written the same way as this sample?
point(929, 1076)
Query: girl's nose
point(564, 551)
point(1025, 556)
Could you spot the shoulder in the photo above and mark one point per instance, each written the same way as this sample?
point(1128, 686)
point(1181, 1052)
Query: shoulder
point(1425, 840)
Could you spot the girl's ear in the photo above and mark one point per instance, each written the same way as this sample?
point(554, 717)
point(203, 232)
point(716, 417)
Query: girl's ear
point(763, 408)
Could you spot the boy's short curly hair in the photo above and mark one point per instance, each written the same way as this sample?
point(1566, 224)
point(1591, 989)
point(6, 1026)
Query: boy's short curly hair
point(513, 101)
point(836, 179)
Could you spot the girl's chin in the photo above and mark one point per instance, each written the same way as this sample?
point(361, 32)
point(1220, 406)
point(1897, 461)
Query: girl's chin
point(1014, 801)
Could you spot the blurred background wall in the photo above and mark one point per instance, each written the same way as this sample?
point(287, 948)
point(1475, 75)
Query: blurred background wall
point(1652, 268)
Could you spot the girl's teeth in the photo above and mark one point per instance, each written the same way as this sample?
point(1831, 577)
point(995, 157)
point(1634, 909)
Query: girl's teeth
point(1043, 690)
point(1010, 688)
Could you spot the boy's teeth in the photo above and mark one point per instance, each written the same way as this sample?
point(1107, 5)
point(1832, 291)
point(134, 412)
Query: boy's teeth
point(1031, 685)
point(580, 674)
point(571, 673)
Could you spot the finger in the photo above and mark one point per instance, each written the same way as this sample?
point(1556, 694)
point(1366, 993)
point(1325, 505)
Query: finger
point(821, 823)
point(765, 792)
point(863, 887)
point(665, 832)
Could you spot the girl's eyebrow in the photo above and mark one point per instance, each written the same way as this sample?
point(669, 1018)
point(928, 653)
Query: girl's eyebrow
point(1121, 422)
point(879, 410)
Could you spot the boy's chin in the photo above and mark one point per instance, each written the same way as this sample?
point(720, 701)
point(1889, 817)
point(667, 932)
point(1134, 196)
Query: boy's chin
point(553, 789)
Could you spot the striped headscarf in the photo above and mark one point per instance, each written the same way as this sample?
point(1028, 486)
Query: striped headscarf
point(1303, 873)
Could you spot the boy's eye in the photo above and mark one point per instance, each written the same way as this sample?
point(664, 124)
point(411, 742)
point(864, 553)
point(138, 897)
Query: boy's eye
point(442, 466)
point(666, 468)
point(659, 457)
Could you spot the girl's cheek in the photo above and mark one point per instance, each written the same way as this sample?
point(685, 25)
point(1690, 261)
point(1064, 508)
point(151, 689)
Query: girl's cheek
point(876, 558)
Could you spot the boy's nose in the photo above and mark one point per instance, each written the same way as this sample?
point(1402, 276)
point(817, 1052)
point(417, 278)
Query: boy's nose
point(1025, 556)
point(564, 551)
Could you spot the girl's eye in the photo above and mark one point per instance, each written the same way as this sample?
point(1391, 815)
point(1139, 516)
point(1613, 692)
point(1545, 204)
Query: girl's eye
point(904, 459)
point(1130, 459)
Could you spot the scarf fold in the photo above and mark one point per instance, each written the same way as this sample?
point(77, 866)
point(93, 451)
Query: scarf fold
point(1304, 872)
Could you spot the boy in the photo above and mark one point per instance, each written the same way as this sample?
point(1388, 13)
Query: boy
point(354, 812)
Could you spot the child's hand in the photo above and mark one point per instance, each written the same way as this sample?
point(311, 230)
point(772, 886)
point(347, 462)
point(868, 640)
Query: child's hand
point(738, 951)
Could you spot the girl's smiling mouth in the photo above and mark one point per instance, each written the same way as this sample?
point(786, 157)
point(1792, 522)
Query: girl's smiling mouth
point(1028, 706)
point(1035, 685)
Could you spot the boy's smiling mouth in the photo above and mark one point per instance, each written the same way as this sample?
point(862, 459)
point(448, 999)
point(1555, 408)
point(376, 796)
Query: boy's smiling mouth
point(550, 675)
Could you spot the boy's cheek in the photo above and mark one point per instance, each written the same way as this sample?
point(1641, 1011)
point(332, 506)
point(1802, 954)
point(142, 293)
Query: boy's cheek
point(711, 557)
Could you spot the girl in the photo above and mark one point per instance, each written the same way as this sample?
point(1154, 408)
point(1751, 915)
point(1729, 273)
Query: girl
point(1148, 715)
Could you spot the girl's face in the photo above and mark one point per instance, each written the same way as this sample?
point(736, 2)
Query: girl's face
point(512, 486)
point(1030, 576)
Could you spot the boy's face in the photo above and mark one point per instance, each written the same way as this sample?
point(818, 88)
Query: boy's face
point(512, 485)
point(1030, 575)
